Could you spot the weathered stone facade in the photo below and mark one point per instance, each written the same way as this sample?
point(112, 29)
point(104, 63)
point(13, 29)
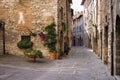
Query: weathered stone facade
point(115, 29)
point(80, 36)
point(24, 16)
point(64, 23)
point(2, 41)
point(107, 30)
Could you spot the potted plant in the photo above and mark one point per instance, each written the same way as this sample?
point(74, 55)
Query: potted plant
point(30, 53)
point(50, 39)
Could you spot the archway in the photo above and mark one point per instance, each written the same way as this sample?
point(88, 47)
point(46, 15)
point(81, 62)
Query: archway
point(2, 38)
point(117, 45)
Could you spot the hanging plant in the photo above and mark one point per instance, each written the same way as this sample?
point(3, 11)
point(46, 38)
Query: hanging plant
point(42, 36)
point(25, 44)
point(50, 40)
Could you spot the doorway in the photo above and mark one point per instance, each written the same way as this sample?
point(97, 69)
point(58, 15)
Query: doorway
point(117, 45)
point(106, 45)
point(2, 38)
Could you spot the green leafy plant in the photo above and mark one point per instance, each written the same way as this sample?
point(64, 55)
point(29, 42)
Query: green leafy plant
point(33, 52)
point(24, 44)
point(50, 39)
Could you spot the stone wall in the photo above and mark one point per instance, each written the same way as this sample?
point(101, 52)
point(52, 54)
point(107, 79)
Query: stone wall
point(22, 17)
point(70, 23)
point(62, 18)
point(1, 42)
point(116, 31)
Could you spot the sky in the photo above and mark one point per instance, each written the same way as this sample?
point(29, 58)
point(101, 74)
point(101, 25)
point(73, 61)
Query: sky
point(76, 5)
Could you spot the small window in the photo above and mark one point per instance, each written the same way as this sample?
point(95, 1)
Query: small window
point(25, 37)
point(2, 25)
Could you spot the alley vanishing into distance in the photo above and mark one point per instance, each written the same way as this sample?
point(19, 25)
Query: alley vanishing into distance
point(80, 64)
point(51, 29)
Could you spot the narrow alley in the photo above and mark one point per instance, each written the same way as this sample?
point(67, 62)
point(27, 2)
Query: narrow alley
point(59, 39)
point(80, 64)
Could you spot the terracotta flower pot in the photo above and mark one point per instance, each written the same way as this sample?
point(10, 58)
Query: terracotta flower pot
point(32, 56)
point(52, 56)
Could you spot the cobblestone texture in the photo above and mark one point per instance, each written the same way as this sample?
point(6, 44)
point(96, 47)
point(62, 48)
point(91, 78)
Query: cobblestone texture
point(80, 64)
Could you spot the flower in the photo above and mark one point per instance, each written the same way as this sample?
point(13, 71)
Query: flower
point(42, 36)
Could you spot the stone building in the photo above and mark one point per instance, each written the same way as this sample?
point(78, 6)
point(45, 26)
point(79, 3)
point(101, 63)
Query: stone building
point(80, 37)
point(106, 21)
point(90, 17)
point(115, 39)
point(65, 14)
point(24, 16)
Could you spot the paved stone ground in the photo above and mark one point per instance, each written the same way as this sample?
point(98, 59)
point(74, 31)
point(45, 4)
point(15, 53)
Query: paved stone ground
point(80, 64)
point(117, 77)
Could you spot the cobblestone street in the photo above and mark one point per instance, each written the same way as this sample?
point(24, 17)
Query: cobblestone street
point(80, 64)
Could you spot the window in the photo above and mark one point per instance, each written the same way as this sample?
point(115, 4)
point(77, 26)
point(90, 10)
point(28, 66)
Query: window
point(25, 37)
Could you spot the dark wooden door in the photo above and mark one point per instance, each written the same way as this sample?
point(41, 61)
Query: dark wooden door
point(2, 41)
point(118, 45)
